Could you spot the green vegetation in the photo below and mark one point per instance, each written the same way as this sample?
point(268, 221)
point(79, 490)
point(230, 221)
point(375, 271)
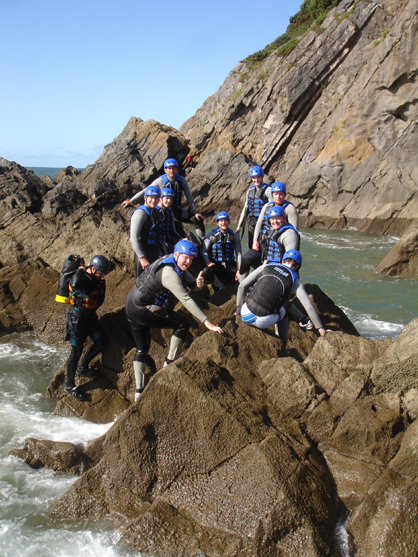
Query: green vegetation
point(235, 95)
point(311, 15)
point(382, 38)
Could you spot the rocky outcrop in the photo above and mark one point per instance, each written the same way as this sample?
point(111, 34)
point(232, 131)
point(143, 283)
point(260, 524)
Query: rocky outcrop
point(402, 260)
point(335, 120)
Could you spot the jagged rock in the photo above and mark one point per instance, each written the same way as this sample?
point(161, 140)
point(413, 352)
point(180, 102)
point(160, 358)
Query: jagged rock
point(20, 192)
point(137, 155)
point(335, 121)
point(197, 457)
point(68, 174)
point(56, 455)
point(403, 257)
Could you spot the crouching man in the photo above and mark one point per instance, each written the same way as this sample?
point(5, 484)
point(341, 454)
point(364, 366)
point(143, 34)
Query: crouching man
point(274, 284)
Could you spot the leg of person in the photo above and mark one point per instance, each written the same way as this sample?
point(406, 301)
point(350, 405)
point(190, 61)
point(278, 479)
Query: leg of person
point(142, 337)
point(303, 320)
point(179, 334)
point(200, 228)
point(95, 349)
point(251, 228)
point(138, 266)
point(251, 258)
point(75, 334)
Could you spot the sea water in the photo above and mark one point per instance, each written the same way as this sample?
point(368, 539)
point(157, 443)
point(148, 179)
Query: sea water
point(341, 263)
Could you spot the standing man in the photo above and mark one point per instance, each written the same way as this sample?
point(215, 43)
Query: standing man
point(178, 184)
point(219, 249)
point(146, 230)
point(257, 196)
point(280, 237)
point(274, 284)
point(145, 305)
point(278, 190)
point(87, 293)
point(169, 236)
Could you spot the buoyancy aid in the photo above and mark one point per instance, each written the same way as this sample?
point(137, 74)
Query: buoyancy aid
point(86, 293)
point(272, 289)
point(149, 290)
point(72, 263)
point(223, 248)
point(177, 187)
point(256, 199)
point(272, 248)
point(151, 230)
point(266, 224)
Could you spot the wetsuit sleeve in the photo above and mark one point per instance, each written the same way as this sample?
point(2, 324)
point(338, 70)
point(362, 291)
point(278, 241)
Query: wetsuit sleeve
point(138, 197)
point(138, 219)
point(188, 194)
point(238, 250)
point(244, 213)
point(171, 281)
point(248, 281)
point(268, 194)
point(299, 290)
point(290, 240)
point(292, 216)
point(259, 224)
point(207, 246)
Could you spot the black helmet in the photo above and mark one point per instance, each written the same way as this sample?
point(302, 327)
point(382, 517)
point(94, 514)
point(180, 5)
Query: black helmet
point(101, 264)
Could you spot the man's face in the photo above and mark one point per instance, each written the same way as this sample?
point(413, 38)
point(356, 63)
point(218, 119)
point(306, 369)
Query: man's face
point(258, 181)
point(166, 202)
point(223, 224)
point(183, 260)
point(171, 172)
point(151, 201)
point(277, 222)
point(279, 197)
point(97, 275)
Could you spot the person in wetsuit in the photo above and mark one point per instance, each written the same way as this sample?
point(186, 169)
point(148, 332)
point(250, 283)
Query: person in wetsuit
point(146, 305)
point(219, 249)
point(145, 235)
point(169, 235)
point(273, 285)
point(278, 191)
point(257, 196)
point(87, 293)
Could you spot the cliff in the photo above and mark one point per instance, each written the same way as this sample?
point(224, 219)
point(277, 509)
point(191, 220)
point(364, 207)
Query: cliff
point(335, 120)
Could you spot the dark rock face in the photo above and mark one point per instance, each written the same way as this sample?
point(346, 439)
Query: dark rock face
point(403, 257)
point(335, 121)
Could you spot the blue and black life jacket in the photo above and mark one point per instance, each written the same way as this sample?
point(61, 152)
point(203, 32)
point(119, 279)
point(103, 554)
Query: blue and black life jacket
point(167, 234)
point(266, 224)
point(273, 249)
point(272, 289)
point(177, 187)
point(149, 290)
point(151, 229)
point(256, 200)
point(223, 248)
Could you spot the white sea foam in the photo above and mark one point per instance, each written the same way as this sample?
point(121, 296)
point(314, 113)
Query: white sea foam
point(373, 328)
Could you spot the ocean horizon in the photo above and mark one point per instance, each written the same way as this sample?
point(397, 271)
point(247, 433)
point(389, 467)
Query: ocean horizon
point(50, 171)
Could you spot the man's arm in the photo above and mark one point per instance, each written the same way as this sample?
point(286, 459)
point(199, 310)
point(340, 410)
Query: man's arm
point(259, 225)
point(171, 281)
point(242, 288)
point(290, 240)
point(188, 193)
point(292, 215)
point(243, 215)
point(299, 290)
point(138, 220)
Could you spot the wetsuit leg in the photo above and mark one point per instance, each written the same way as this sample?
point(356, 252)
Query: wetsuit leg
point(252, 257)
point(93, 350)
point(72, 362)
point(251, 228)
point(151, 255)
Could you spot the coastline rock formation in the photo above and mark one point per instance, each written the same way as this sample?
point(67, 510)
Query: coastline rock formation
point(403, 257)
point(335, 120)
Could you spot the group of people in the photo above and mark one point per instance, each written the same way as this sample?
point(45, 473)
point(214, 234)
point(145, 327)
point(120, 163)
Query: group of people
point(163, 255)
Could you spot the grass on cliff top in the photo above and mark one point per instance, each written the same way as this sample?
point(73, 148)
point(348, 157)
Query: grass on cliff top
point(311, 11)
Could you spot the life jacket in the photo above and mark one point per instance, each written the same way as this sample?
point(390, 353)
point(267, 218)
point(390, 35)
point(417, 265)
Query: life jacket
point(86, 293)
point(223, 248)
point(272, 289)
point(177, 187)
point(272, 248)
point(151, 230)
point(166, 224)
point(71, 264)
point(256, 200)
point(149, 290)
point(265, 225)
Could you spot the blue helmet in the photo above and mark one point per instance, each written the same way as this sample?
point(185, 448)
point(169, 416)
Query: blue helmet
point(101, 264)
point(187, 247)
point(222, 215)
point(276, 211)
point(278, 186)
point(170, 162)
point(256, 171)
point(293, 254)
point(152, 191)
point(167, 192)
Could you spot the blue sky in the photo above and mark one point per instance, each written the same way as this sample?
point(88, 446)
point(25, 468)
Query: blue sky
point(73, 73)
